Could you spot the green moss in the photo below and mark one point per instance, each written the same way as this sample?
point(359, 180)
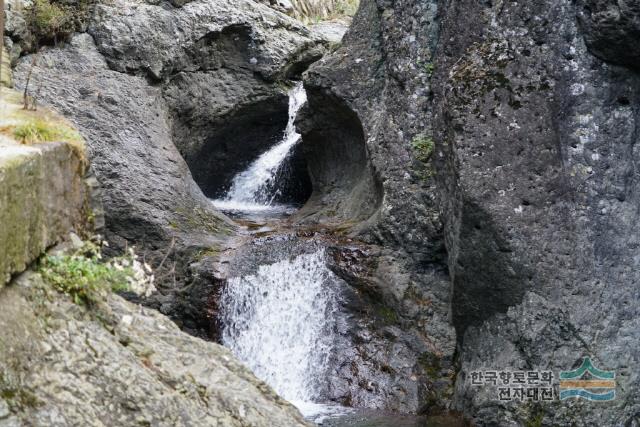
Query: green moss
point(423, 148)
point(16, 396)
point(207, 253)
point(535, 420)
point(201, 219)
point(430, 364)
point(430, 68)
point(83, 276)
point(387, 314)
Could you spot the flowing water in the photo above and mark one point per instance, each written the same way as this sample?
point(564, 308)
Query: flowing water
point(280, 322)
point(280, 318)
point(255, 189)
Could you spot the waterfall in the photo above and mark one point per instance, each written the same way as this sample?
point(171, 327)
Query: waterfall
point(281, 323)
point(256, 187)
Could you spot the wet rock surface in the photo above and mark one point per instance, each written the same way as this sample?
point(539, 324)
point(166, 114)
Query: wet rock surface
point(369, 100)
point(380, 358)
point(481, 157)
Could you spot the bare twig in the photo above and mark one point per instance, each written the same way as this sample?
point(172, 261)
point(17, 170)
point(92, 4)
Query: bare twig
point(173, 242)
point(25, 96)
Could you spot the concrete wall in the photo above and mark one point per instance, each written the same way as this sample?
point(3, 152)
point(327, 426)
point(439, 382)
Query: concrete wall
point(43, 196)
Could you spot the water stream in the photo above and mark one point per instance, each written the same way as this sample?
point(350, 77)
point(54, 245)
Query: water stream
point(280, 322)
point(281, 316)
point(256, 188)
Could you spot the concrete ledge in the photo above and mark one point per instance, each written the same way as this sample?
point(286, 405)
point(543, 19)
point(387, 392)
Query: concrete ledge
point(43, 196)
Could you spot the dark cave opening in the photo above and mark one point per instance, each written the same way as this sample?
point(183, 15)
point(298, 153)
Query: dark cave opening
point(345, 186)
point(229, 148)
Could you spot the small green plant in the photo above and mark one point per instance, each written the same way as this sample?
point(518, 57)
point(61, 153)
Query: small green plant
point(423, 148)
point(54, 20)
point(430, 68)
point(84, 276)
point(387, 314)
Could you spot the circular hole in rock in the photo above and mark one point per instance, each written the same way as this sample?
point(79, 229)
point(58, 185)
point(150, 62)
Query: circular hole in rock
point(218, 150)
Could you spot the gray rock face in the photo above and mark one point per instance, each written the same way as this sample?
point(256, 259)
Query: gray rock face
point(379, 360)
point(119, 364)
point(533, 178)
point(222, 66)
point(538, 145)
point(145, 181)
point(485, 150)
point(367, 130)
point(612, 29)
point(160, 93)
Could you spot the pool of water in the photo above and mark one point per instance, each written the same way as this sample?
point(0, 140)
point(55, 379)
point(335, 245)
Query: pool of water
point(372, 418)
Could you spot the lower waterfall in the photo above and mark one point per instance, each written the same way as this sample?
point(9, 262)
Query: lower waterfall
point(281, 322)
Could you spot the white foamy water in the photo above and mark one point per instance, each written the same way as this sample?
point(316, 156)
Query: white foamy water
point(257, 186)
point(281, 323)
point(233, 206)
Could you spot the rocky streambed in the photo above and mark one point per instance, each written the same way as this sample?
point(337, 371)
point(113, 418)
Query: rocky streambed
point(465, 192)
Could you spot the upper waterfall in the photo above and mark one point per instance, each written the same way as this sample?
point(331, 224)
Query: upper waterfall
point(256, 188)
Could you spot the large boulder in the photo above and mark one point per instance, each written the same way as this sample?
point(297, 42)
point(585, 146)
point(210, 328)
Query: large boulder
point(536, 141)
point(71, 352)
point(366, 132)
point(496, 129)
point(160, 93)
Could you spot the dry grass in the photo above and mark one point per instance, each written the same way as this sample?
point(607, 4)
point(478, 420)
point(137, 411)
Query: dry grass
point(320, 10)
point(35, 127)
point(37, 130)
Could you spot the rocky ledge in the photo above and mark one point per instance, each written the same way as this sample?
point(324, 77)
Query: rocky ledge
point(160, 93)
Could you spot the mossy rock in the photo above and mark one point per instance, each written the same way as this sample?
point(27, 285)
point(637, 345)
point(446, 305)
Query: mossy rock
point(430, 364)
point(6, 79)
point(423, 148)
point(54, 20)
point(43, 194)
